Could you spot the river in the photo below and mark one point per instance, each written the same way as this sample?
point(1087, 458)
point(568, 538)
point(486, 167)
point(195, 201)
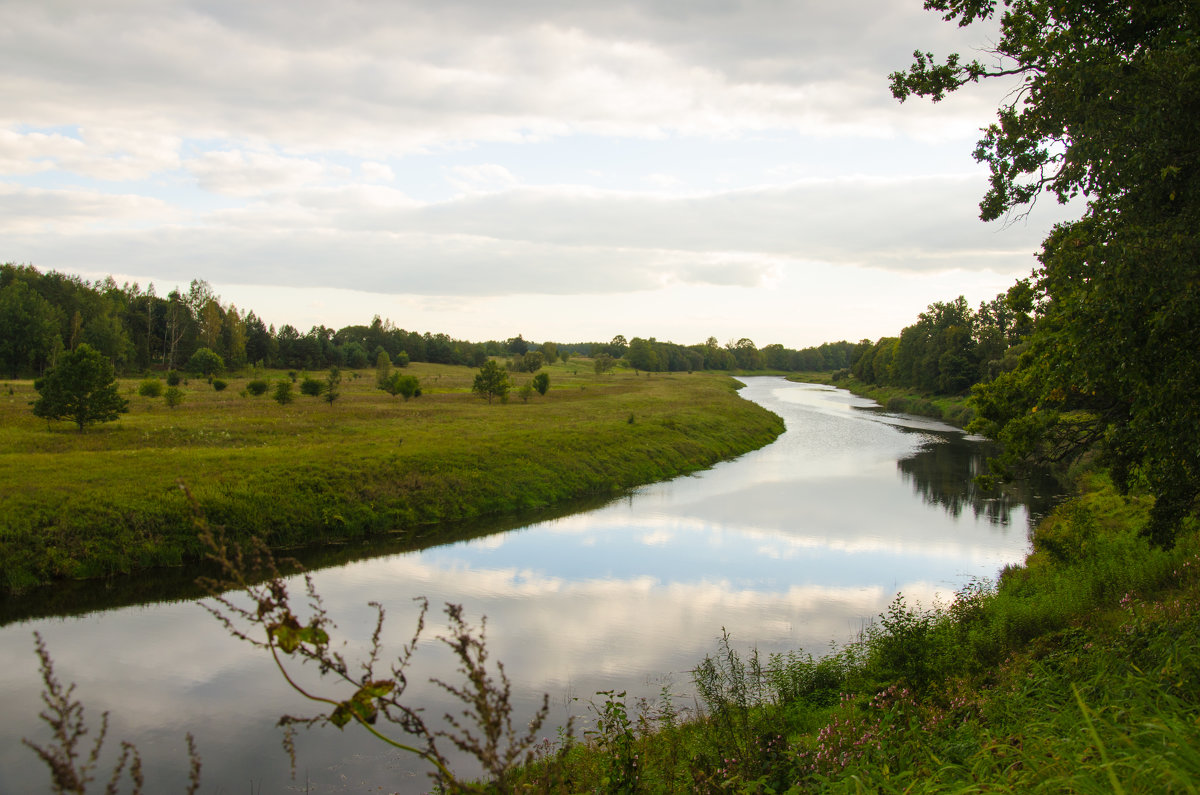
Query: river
point(791, 547)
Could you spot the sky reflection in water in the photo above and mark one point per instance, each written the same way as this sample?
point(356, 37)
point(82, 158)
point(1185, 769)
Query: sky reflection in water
point(789, 547)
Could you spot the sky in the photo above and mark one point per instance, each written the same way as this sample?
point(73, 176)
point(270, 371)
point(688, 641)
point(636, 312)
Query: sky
point(564, 170)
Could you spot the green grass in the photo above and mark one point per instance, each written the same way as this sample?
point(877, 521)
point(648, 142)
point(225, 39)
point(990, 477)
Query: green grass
point(106, 501)
point(1077, 672)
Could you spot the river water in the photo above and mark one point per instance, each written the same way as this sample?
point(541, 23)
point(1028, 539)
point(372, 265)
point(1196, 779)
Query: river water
point(791, 547)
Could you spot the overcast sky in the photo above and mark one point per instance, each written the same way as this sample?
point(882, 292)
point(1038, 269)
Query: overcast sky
point(565, 170)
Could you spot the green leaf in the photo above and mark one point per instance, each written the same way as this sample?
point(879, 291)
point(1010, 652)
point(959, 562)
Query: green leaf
point(286, 636)
point(340, 716)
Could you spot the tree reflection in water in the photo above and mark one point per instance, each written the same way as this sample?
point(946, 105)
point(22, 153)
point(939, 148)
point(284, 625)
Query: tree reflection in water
point(944, 472)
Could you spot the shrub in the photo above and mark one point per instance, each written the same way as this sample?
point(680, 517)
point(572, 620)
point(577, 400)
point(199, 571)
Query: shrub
point(206, 361)
point(311, 387)
point(330, 391)
point(409, 386)
point(173, 396)
point(219, 385)
point(283, 393)
point(173, 378)
point(151, 387)
point(257, 387)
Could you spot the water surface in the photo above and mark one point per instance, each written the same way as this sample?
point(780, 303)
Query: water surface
point(793, 546)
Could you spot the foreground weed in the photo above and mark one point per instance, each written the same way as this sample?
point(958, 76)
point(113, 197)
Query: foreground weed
point(372, 688)
point(69, 771)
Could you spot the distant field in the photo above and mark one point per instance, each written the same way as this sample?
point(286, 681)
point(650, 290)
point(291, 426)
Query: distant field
point(106, 501)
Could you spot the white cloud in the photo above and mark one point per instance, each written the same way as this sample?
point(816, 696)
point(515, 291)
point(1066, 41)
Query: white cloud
point(95, 152)
point(393, 76)
point(550, 240)
point(482, 178)
point(49, 215)
point(241, 173)
point(376, 172)
point(483, 149)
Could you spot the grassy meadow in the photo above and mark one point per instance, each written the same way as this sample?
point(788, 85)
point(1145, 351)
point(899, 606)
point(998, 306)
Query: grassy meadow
point(107, 500)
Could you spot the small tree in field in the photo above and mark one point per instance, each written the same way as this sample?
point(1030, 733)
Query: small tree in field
point(331, 393)
point(541, 382)
point(533, 361)
point(491, 382)
point(408, 386)
point(383, 369)
point(206, 361)
point(283, 392)
point(82, 388)
point(173, 396)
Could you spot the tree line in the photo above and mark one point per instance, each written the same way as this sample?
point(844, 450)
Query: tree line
point(951, 348)
point(45, 314)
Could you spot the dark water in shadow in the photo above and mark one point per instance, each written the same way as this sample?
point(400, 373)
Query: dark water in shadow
point(789, 547)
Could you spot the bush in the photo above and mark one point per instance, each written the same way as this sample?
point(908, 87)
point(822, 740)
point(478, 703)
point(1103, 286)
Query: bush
point(311, 387)
point(283, 392)
point(257, 387)
point(173, 396)
point(219, 385)
point(173, 378)
point(206, 361)
point(409, 386)
point(151, 387)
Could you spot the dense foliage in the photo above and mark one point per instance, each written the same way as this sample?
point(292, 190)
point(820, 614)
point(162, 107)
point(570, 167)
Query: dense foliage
point(1106, 111)
point(949, 348)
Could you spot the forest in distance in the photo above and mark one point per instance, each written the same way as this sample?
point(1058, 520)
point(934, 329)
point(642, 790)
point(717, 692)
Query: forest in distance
point(44, 313)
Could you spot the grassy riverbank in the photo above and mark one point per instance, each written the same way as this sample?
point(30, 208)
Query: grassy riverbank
point(106, 501)
point(1078, 672)
point(949, 409)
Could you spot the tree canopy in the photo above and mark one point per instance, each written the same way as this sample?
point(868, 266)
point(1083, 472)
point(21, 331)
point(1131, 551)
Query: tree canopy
point(1106, 111)
point(82, 388)
point(491, 381)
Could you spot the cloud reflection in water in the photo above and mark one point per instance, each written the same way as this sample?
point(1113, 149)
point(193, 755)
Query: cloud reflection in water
point(789, 547)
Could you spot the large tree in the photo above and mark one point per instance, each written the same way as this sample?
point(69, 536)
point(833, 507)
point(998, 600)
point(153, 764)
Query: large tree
point(81, 388)
point(1107, 110)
